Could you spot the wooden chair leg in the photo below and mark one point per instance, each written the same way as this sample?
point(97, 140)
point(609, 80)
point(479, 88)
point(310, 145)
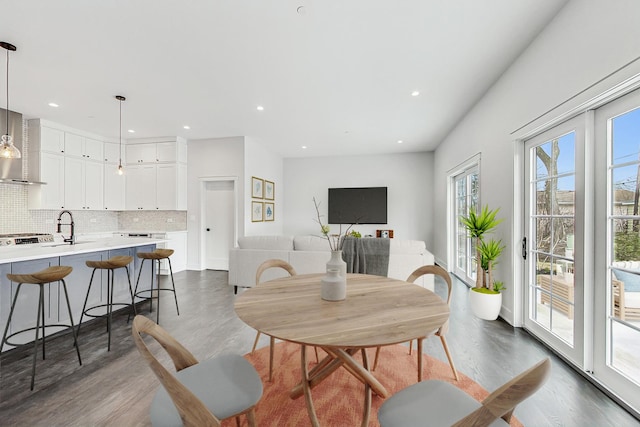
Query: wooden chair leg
point(420, 358)
point(375, 359)
point(317, 359)
point(251, 418)
point(410, 347)
point(272, 343)
point(255, 343)
point(446, 350)
point(237, 421)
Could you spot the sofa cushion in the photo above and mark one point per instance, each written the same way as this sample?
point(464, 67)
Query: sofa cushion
point(398, 246)
point(283, 243)
point(310, 243)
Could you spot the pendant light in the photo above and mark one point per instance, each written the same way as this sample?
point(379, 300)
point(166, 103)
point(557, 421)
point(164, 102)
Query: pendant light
point(7, 149)
point(120, 168)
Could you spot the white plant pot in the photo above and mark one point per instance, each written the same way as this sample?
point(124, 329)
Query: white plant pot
point(485, 306)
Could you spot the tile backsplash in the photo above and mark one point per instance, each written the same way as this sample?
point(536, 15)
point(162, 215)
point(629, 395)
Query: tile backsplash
point(152, 220)
point(15, 217)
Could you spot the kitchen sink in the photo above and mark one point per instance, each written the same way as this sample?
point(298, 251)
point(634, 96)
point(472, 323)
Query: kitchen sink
point(55, 245)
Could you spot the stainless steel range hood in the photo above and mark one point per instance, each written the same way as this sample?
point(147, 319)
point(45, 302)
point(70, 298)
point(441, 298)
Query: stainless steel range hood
point(11, 169)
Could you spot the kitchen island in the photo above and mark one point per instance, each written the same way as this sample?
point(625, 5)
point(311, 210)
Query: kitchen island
point(32, 258)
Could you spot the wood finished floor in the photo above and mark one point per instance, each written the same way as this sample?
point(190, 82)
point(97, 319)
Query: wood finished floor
point(115, 388)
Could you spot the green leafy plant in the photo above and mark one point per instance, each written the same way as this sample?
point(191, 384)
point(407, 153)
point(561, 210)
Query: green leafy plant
point(478, 225)
point(355, 234)
point(498, 286)
point(490, 251)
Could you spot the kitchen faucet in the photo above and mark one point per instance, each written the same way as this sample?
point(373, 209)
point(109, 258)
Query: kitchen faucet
point(71, 239)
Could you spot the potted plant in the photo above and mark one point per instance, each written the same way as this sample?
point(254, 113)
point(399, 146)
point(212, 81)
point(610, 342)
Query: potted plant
point(485, 297)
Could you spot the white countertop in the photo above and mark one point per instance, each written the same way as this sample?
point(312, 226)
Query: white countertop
point(83, 245)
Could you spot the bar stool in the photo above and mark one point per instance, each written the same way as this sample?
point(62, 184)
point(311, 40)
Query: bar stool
point(112, 264)
point(41, 278)
point(157, 255)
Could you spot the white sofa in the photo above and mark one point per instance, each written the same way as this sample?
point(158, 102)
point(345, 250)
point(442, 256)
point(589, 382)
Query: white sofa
point(309, 254)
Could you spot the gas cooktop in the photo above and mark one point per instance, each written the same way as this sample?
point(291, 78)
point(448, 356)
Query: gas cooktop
point(24, 238)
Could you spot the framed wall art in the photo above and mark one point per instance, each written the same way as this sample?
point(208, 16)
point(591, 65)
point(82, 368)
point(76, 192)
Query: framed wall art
point(269, 190)
point(257, 188)
point(268, 211)
point(256, 211)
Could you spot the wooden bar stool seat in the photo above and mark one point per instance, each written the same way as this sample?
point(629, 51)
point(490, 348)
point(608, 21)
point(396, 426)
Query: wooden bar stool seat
point(111, 264)
point(156, 254)
point(154, 293)
point(40, 278)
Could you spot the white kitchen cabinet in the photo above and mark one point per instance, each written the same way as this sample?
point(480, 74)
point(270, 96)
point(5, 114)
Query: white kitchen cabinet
point(81, 146)
point(51, 140)
point(141, 153)
point(73, 183)
point(71, 162)
point(140, 187)
point(93, 185)
point(166, 186)
point(83, 184)
point(157, 150)
point(49, 168)
point(168, 152)
point(159, 187)
point(112, 153)
point(114, 189)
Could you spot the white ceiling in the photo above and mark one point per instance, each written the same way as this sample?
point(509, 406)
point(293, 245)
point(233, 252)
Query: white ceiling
point(336, 78)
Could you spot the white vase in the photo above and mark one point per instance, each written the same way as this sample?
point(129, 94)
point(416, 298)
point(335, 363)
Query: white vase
point(336, 262)
point(334, 287)
point(485, 306)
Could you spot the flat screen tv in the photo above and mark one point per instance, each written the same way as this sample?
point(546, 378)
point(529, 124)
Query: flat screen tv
point(358, 205)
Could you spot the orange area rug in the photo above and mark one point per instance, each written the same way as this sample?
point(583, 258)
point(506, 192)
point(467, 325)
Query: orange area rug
point(339, 399)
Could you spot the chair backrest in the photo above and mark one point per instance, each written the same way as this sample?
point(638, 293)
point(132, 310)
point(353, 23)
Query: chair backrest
point(437, 271)
point(274, 263)
point(504, 400)
point(191, 409)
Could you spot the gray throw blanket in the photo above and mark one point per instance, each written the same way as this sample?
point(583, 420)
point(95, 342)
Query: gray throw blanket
point(366, 255)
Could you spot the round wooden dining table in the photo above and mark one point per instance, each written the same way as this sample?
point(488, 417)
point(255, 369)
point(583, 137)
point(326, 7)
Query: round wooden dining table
point(377, 311)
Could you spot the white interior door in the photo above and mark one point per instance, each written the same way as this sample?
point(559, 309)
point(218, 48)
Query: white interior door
point(219, 222)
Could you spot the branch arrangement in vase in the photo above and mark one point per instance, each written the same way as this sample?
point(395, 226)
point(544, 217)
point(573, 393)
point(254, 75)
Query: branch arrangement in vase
point(336, 241)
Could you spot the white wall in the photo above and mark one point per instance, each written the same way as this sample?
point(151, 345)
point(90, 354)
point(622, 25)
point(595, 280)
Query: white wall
point(220, 157)
point(267, 165)
point(587, 41)
point(407, 176)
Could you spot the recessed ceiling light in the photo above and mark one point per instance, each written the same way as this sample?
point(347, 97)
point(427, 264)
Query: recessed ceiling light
point(415, 93)
point(186, 127)
point(131, 131)
point(301, 10)
point(53, 104)
point(260, 108)
point(399, 141)
point(304, 147)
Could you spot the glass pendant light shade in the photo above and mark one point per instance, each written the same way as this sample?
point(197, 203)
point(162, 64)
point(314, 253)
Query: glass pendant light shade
point(7, 149)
